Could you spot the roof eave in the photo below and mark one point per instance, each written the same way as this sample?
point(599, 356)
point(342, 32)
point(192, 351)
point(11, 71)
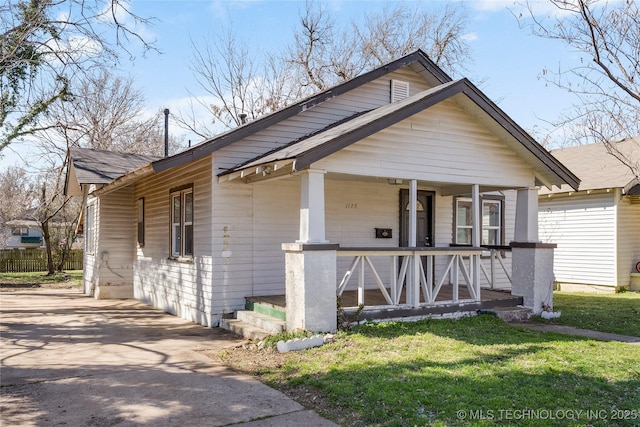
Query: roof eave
point(125, 180)
point(216, 143)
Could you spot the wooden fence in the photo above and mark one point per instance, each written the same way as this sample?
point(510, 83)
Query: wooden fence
point(31, 260)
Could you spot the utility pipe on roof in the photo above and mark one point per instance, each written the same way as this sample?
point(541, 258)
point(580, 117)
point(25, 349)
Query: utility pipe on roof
point(166, 132)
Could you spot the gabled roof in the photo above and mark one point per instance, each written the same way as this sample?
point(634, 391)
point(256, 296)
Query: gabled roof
point(116, 169)
point(89, 166)
point(598, 169)
point(431, 73)
point(102, 167)
point(321, 144)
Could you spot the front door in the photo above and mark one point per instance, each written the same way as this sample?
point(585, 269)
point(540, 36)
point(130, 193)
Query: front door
point(424, 226)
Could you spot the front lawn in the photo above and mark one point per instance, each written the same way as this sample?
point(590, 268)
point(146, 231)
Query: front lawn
point(615, 313)
point(475, 371)
point(68, 279)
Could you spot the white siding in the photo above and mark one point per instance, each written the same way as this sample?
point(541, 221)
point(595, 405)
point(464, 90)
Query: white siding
point(440, 144)
point(369, 96)
point(251, 222)
point(115, 234)
point(628, 232)
point(90, 268)
point(180, 288)
point(584, 228)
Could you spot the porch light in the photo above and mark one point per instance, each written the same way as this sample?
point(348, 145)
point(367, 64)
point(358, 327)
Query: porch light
point(395, 181)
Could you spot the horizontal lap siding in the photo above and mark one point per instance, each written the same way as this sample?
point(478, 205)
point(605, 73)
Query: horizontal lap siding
point(364, 98)
point(89, 264)
point(628, 232)
point(181, 288)
point(583, 227)
point(440, 144)
point(115, 231)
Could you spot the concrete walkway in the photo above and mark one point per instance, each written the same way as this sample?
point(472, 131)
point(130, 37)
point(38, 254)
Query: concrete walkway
point(569, 330)
point(67, 359)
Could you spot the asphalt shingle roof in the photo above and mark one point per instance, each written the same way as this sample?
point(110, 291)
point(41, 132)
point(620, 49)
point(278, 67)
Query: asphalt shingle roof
point(102, 167)
point(596, 168)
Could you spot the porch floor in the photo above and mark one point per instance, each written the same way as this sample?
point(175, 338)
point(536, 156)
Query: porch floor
point(376, 306)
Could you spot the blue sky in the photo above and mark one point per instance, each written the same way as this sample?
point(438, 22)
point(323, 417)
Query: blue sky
point(505, 60)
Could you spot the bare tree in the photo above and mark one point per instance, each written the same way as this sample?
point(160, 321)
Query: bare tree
point(55, 220)
point(105, 112)
point(18, 194)
point(400, 30)
point(326, 55)
point(236, 87)
point(46, 44)
point(606, 83)
point(320, 56)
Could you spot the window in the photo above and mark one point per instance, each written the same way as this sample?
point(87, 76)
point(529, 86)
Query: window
point(182, 222)
point(20, 231)
point(492, 226)
point(90, 229)
point(141, 221)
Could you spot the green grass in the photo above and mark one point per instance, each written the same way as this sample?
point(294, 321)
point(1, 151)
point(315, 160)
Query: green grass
point(454, 372)
point(71, 278)
point(615, 313)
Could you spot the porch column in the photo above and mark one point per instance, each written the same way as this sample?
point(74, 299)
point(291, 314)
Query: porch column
point(527, 215)
point(532, 261)
point(413, 284)
point(476, 238)
point(310, 264)
point(312, 228)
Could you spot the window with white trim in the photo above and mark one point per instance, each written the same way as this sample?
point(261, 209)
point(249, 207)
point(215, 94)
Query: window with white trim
point(20, 231)
point(182, 222)
point(492, 223)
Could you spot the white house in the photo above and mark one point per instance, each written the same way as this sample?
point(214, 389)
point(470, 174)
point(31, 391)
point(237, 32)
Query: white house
point(23, 234)
point(597, 229)
point(400, 190)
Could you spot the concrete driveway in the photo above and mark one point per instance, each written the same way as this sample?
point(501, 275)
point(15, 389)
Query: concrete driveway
point(68, 359)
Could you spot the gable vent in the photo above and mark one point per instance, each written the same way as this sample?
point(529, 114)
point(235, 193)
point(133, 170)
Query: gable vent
point(399, 90)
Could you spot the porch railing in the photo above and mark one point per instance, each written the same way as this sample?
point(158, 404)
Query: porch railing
point(496, 259)
point(413, 270)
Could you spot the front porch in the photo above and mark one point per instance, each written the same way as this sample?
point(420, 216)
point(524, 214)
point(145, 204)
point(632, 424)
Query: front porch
point(490, 300)
point(422, 282)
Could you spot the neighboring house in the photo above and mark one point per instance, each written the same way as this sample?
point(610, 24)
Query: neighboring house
point(597, 229)
point(23, 233)
point(401, 179)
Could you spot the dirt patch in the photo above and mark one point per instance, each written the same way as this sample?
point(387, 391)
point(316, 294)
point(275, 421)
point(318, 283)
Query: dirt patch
point(247, 359)
point(6, 286)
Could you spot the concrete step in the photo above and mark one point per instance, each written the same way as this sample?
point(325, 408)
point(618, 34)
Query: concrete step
point(244, 329)
point(270, 324)
point(511, 314)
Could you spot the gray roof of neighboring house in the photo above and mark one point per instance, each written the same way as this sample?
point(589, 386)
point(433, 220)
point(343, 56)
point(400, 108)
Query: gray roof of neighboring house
point(102, 167)
point(598, 169)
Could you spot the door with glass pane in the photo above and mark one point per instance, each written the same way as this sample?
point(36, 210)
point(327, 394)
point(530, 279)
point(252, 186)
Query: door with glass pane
point(424, 226)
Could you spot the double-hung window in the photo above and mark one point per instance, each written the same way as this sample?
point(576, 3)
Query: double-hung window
point(182, 222)
point(492, 223)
